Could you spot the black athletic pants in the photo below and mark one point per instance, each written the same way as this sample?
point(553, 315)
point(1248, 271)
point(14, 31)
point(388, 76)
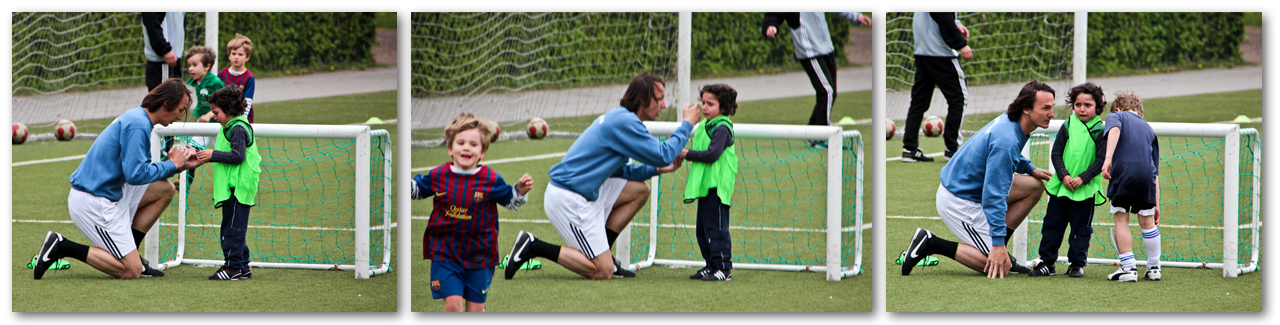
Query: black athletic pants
point(1060, 212)
point(713, 232)
point(153, 74)
point(944, 73)
point(235, 223)
point(822, 74)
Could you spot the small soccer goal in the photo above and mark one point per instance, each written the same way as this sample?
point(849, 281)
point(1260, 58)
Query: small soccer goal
point(793, 208)
point(324, 201)
point(1209, 200)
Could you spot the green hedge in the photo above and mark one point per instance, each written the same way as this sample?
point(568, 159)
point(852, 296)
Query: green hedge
point(734, 41)
point(308, 39)
point(55, 52)
point(469, 52)
point(1127, 41)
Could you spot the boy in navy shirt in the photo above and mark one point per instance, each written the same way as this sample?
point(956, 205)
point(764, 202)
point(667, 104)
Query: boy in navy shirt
point(1133, 157)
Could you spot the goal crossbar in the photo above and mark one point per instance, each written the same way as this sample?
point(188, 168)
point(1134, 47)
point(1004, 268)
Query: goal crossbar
point(1231, 133)
point(362, 135)
point(834, 136)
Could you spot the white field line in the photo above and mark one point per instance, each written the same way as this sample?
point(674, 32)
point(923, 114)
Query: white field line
point(393, 225)
point(503, 161)
point(41, 161)
point(1097, 223)
point(639, 224)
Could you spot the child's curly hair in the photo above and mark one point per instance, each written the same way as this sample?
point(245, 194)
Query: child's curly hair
point(1099, 98)
point(1126, 100)
point(468, 121)
point(230, 100)
point(206, 56)
point(727, 97)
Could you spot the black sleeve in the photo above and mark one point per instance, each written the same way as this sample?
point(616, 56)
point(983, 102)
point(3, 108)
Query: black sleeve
point(947, 27)
point(1055, 155)
point(1096, 168)
point(776, 19)
point(238, 139)
point(151, 21)
point(721, 138)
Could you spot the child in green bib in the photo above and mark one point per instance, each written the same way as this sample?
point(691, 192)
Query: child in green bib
point(235, 179)
point(1075, 188)
point(713, 168)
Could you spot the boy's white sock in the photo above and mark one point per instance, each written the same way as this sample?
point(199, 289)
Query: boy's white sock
point(1127, 261)
point(1151, 240)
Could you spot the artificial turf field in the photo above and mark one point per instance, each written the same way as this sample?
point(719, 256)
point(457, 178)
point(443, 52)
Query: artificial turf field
point(39, 205)
point(951, 287)
point(658, 288)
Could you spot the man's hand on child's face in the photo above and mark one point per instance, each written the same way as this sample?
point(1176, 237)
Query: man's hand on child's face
point(524, 184)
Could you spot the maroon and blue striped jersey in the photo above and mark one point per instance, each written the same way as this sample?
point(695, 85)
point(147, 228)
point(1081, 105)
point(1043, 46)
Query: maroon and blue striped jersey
point(245, 82)
point(464, 216)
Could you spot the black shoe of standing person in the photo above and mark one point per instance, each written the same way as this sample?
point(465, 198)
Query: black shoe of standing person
point(915, 156)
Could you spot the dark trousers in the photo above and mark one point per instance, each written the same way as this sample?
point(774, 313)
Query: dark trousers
point(822, 74)
point(235, 223)
point(153, 74)
point(1061, 212)
point(944, 73)
point(713, 232)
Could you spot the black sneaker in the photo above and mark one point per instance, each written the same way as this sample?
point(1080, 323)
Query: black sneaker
point(148, 271)
point(619, 272)
point(246, 273)
point(1015, 267)
point(520, 253)
point(702, 273)
point(817, 144)
point(948, 154)
point(48, 253)
point(719, 275)
point(914, 255)
point(227, 274)
point(915, 156)
point(1043, 269)
point(1075, 271)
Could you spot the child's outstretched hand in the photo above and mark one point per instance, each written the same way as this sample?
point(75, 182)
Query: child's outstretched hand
point(204, 155)
point(524, 184)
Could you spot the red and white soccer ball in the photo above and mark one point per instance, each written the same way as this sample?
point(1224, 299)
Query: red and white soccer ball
point(20, 133)
point(65, 131)
point(932, 126)
point(537, 128)
point(497, 130)
point(889, 129)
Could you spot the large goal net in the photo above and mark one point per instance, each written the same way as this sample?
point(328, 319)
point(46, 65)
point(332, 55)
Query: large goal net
point(795, 208)
point(324, 201)
point(1009, 49)
point(1209, 200)
point(565, 67)
point(81, 65)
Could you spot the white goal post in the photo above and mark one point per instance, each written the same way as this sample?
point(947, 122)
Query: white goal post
point(1231, 227)
point(362, 266)
point(834, 187)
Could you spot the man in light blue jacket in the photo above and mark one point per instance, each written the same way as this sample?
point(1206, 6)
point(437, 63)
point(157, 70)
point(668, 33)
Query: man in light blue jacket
point(984, 193)
point(594, 192)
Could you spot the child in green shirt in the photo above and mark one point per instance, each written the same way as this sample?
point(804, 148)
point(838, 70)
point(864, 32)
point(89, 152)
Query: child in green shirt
point(712, 173)
point(235, 179)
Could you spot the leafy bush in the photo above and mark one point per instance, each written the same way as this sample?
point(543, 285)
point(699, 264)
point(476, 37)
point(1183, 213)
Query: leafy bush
point(283, 40)
point(1141, 40)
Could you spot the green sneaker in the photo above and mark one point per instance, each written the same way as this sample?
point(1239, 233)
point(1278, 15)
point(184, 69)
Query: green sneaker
point(57, 265)
point(926, 261)
point(529, 265)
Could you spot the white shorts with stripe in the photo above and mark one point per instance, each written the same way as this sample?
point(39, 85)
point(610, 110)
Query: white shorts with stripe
point(965, 219)
point(581, 222)
point(108, 225)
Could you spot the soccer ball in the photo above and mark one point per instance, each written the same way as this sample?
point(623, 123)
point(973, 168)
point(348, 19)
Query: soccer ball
point(889, 129)
point(537, 128)
point(497, 130)
point(20, 133)
point(932, 126)
point(65, 130)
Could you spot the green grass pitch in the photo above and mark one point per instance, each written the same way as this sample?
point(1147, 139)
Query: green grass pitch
point(556, 289)
point(39, 205)
point(951, 287)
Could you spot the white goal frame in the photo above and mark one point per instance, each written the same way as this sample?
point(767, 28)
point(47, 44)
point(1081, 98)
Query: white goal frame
point(834, 136)
point(362, 135)
point(1230, 265)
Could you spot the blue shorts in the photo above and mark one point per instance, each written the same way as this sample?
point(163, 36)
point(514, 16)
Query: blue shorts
point(450, 279)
